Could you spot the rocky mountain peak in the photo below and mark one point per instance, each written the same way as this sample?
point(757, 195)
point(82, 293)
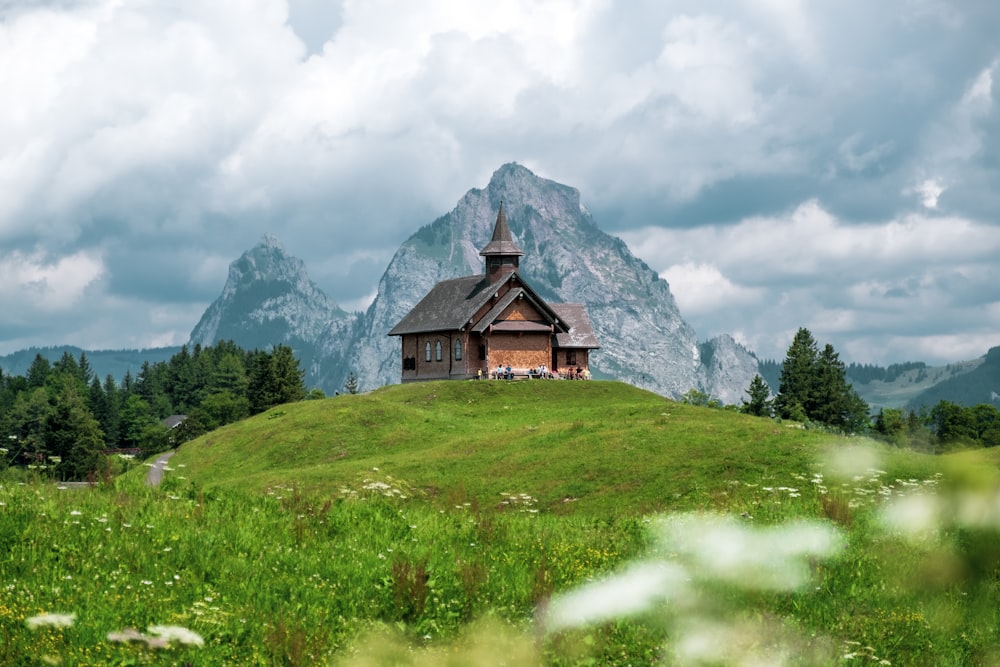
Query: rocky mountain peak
point(567, 259)
point(268, 300)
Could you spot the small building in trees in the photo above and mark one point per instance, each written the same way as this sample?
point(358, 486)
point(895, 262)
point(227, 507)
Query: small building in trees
point(465, 326)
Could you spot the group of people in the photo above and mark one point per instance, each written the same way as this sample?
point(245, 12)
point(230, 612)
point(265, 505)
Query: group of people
point(542, 371)
point(502, 373)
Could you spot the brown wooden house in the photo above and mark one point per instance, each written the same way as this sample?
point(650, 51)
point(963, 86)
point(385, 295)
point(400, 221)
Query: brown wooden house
point(477, 323)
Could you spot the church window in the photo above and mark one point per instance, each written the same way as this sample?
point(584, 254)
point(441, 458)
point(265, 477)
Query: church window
point(570, 357)
point(427, 352)
point(458, 350)
point(437, 350)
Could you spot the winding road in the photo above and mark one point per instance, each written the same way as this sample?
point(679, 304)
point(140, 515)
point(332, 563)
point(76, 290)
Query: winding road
point(156, 472)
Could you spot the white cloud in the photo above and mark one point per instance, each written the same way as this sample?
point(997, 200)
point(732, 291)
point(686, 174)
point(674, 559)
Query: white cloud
point(35, 282)
point(857, 286)
point(193, 127)
point(929, 190)
point(700, 288)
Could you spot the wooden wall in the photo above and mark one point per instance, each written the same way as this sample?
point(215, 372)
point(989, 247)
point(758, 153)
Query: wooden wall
point(520, 350)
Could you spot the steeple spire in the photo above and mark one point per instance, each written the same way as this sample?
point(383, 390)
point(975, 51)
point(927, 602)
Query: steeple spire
point(501, 253)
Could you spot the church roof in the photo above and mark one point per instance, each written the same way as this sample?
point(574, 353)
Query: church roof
point(581, 333)
point(502, 242)
point(448, 306)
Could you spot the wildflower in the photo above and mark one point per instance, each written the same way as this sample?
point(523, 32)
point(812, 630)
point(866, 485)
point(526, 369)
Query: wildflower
point(627, 593)
point(177, 633)
point(50, 620)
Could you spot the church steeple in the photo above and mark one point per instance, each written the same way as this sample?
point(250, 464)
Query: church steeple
point(501, 253)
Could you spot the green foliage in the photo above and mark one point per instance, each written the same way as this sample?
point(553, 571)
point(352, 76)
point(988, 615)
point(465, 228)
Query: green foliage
point(891, 425)
point(956, 426)
point(700, 398)
point(351, 385)
point(759, 393)
point(274, 378)
point(73, 436)
point(59, 407)
point(814, 388)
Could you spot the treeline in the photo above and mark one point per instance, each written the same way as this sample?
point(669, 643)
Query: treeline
point(945, 427)
point(60, 418)
point(813, 388)
point(855, 373)
point(866, 373)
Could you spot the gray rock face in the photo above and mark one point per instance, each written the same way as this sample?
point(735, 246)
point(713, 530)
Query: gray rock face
point(729, 369)
point(644, 339)
point(268, 300)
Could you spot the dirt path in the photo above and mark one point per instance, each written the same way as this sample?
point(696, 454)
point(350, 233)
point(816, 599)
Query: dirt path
point(156, 472)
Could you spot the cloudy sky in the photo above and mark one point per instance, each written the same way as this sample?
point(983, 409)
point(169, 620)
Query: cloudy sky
point(783, 163)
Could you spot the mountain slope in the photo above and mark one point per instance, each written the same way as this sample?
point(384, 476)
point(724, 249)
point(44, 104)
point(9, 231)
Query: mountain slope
point(268, 300)
point(644, 339)
point(968, 384)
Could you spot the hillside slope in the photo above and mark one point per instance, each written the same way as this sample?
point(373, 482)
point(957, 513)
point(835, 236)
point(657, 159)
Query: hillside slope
point(571, 446)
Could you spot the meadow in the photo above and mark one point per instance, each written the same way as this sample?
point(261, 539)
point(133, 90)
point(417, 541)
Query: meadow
point(528, 523)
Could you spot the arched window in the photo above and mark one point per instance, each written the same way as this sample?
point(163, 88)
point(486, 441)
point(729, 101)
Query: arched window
point(427, 352)
point(458, 350)
point(437, 350)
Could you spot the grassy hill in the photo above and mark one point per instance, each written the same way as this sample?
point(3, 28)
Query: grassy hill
point(528, 523)
point(573, 446)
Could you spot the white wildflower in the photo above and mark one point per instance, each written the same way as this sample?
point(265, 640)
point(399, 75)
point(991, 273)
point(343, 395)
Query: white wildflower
point(50, 620)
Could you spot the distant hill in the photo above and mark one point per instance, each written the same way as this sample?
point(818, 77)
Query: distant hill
point(914, 384)
point(103, 362)
point(968, 384)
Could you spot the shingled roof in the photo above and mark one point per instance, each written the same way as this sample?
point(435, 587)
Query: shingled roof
point(581, 333)
point(447, 307)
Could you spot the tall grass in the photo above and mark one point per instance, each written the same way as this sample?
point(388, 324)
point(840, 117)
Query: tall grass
point(703, 538)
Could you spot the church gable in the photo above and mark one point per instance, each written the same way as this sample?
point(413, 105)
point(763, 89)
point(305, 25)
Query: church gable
point(521, 311)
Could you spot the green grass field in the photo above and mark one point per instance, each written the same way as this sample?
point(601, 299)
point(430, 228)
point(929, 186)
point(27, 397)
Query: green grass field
point(548, 523)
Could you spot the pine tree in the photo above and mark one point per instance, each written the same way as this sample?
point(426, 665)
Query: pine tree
point(814, 387)
point(797, 375)
point(111, 419)
point(760, 395)
point(275, 378)
point(289, 377)
point(39, 371)
point(351, 384)
point(73, 434)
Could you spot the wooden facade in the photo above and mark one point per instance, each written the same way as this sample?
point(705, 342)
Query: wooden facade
point(469, 325)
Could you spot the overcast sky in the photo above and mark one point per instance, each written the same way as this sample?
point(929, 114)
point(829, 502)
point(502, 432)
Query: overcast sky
point(833, 165)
